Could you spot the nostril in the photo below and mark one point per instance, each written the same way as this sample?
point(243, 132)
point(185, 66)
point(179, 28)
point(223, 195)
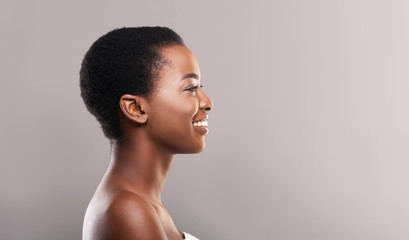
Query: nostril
point(208, 109)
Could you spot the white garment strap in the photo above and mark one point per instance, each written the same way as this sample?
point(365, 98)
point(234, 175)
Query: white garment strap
point(189, 237)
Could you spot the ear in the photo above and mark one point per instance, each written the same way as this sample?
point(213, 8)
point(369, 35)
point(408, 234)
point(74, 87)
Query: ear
point(134, 108)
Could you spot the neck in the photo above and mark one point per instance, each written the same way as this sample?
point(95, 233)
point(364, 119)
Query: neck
point(140, 166)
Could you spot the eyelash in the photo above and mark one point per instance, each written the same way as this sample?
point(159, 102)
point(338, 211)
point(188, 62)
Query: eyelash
point(193, 88)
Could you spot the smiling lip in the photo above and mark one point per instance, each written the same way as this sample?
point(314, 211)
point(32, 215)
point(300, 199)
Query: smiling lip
point(201, 119)
point(202, 129)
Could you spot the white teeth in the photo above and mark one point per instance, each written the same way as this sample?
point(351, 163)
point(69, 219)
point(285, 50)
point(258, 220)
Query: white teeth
point(201, 123)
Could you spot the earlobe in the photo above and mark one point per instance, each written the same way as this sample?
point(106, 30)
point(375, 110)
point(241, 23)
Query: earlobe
point(133, 107)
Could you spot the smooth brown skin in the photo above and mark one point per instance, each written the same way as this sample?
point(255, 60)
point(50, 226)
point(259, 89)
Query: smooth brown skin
point(127, 203)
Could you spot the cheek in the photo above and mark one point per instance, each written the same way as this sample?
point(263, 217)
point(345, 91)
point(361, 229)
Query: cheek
point(175, 112)
point(171, 124)
point(182, 111)
point(178, 104)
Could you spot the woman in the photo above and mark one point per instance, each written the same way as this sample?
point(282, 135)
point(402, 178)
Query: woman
point(143, 86)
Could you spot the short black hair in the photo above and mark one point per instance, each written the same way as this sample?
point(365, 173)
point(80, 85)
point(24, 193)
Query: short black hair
point(123, 61)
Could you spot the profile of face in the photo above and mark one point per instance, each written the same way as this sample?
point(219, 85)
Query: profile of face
point(178, 110)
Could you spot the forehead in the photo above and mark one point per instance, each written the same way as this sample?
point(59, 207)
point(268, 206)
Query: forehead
point(181, 60)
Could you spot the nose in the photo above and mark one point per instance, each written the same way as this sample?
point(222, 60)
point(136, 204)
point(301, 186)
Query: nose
point(205, 103)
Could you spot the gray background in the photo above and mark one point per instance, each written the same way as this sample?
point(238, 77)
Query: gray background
point(309, 133)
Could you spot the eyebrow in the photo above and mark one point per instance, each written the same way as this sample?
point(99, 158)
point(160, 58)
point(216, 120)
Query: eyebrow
point(190, 75)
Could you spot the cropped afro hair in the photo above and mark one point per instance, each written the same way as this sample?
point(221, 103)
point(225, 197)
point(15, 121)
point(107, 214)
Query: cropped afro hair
point(123, 61)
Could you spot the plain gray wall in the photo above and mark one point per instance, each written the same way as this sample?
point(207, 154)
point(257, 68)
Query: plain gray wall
point(309, 135)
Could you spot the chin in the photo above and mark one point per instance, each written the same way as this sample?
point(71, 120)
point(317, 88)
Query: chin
point(201, 149)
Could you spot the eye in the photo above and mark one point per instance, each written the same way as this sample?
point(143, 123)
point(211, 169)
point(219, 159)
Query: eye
point(192, 88)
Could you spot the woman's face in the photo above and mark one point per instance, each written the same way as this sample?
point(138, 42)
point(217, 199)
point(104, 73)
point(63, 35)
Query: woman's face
point(179, 105)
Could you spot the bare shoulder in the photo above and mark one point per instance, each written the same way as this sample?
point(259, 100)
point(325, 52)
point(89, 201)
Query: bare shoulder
point(127, 216)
